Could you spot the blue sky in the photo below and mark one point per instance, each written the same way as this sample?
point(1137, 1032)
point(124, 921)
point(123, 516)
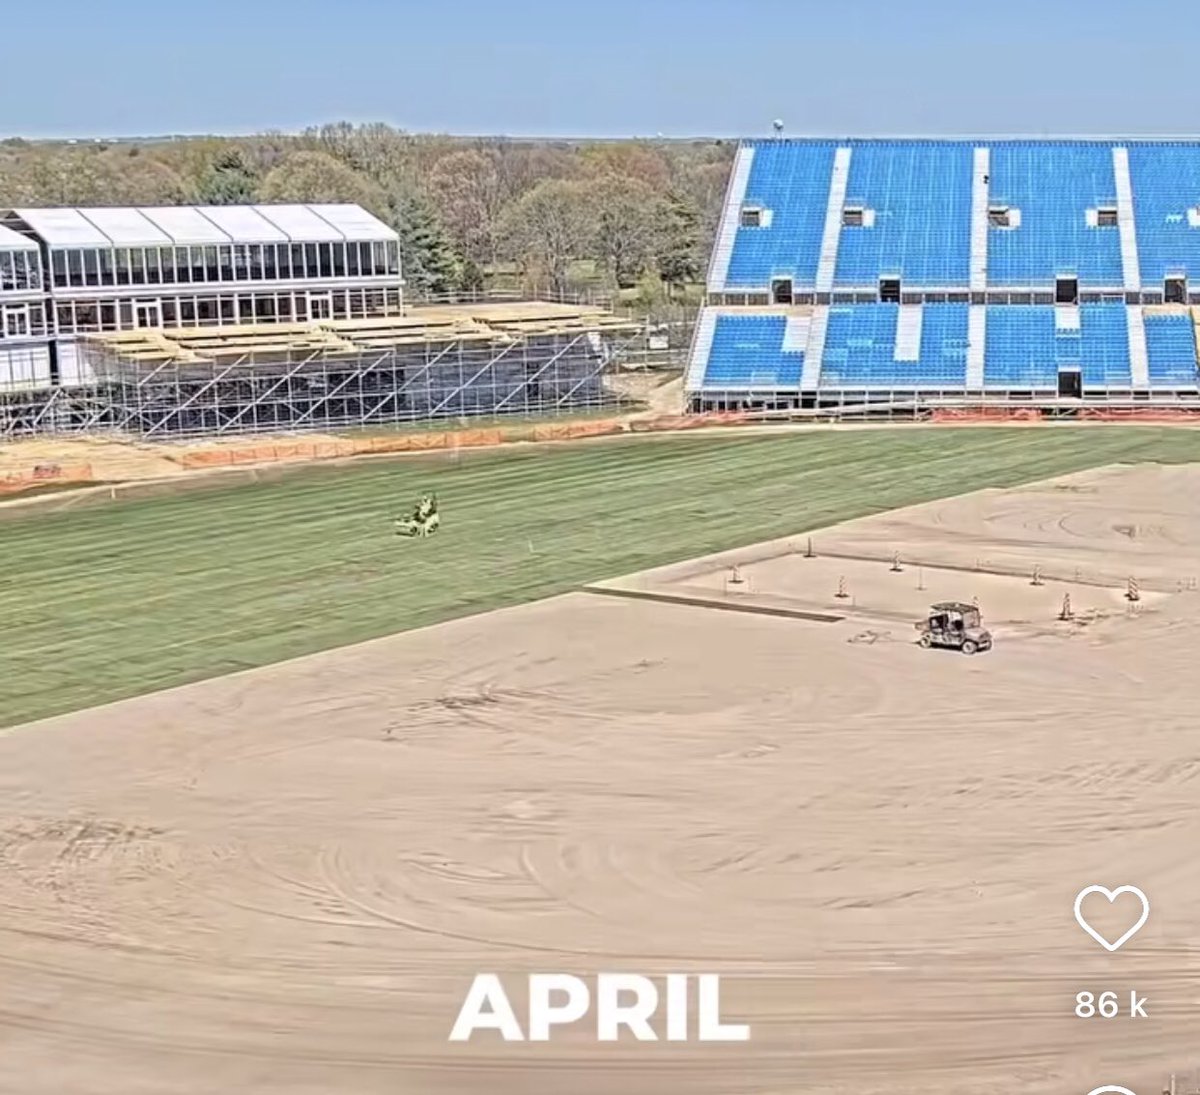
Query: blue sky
point(610, 68)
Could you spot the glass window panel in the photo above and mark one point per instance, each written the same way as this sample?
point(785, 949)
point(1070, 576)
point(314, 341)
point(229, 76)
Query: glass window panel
point(108, 317)
point(123, 268)
point(75, 268)
point(297, 260)
point(64, 315)
point(325, 257)
point(311, 265)
point(187, 311)
point(339, 260)
point(353, 266)
point(271, 262)
point(87, 317)
point(137, 267)
point(108, 275)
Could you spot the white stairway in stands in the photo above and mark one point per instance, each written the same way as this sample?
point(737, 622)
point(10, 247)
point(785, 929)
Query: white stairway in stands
point(979, 220)
point(1066, 317)
point(818, 325)
point(1139, 363)
point(795, 334)
point(731, 218)
point(839, 177)
point(1125, 222)
point(908, 333)
point(976, 342)
point(702, 342)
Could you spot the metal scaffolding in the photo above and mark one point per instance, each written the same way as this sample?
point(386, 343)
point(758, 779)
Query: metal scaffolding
point(331, 382)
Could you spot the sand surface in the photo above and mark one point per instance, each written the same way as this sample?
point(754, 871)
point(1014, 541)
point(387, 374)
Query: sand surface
point(284, 881)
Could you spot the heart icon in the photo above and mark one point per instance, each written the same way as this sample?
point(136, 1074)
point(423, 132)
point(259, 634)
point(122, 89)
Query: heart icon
point(1112, 895)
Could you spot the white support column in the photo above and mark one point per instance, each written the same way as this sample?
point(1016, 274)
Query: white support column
point(976, 344)
point(1139, 361)
point(979, 219)
point(731, 217)
point(1125, 221)
point(811, 376)
point(838, 180)
point(701, 348)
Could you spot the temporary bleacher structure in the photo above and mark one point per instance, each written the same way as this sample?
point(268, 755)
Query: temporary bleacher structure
point(937, 272)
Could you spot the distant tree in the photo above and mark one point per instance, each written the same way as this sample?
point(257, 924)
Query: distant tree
point(427, 258)
point(548, 228)
point(465, 187)
point(638, 160)
point(470, 276)
point(678, 251)
point(624, 214)
point(228, 180)
point(318, 177)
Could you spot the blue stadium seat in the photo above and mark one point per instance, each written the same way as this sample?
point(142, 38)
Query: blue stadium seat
point(1103, 351)
point(791, 179)
point(1166, 180)
point(1171, 349)
point(920, 192)
point(1025, 349)
point(860, 348)
point(747, 352)
point(1053, 185)
point(1019, 349)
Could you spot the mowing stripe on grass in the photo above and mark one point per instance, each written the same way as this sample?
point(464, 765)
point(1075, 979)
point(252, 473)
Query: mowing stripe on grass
point(110, 601)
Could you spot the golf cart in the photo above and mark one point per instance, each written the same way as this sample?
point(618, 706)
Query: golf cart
point(956, 626)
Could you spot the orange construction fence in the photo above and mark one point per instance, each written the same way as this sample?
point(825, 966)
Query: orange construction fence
point(41, 474)
point(987, 414)
point(1140, 414)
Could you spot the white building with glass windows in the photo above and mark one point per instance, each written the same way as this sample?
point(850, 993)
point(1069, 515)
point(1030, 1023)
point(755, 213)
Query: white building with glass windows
point(66, 273)
point(24, 334)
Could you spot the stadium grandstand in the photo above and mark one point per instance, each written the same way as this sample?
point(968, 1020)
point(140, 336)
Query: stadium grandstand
point(881, 276)
point(189, 320)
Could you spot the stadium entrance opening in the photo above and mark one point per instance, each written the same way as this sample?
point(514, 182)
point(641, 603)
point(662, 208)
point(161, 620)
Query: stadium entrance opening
point(1070, 382)
point(1066, 290)
point(781, 290)
point(889, 290)
point(1175, 289)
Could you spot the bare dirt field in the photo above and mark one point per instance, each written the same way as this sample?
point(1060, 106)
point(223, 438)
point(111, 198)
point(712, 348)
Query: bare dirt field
point(284, 881)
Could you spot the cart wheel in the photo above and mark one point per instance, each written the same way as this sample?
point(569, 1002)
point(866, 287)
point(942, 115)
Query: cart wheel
point(969, 647)
point(925, 641)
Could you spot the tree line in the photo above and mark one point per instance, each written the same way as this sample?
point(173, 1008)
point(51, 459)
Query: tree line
point(469, 212)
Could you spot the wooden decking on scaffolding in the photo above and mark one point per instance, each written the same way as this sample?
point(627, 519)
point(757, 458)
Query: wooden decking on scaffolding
point(479, 323)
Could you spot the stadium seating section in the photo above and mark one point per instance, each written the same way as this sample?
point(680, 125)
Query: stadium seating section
point(983, 237)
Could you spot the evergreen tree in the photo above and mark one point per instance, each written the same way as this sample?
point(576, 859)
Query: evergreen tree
point(228, 181)
point(678, 252)
point(428, 262)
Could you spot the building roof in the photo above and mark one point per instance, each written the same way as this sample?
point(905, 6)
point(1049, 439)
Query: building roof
point(14, 241)
point(183, 225)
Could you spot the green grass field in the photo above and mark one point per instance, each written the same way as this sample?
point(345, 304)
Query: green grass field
point(102, 603)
